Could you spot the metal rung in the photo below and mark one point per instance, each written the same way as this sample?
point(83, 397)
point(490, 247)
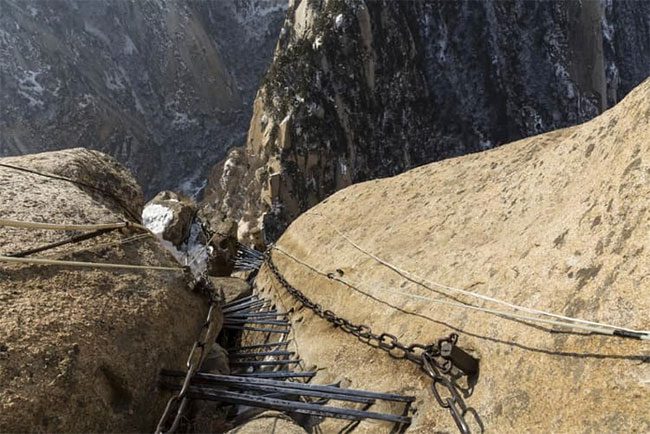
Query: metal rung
point(239, 301)
point(239, 355)
point(266, 314)
point(253, 321)
point(293, 406)
point(267, 345)
point(236, 379)
point(264, 362)
point(256, 329)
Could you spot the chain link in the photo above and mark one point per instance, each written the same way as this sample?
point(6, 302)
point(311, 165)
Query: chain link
point(197, 355)
point(437, 360)
point(454, 402)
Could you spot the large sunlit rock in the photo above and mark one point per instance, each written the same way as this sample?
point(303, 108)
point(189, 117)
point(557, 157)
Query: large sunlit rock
point(81, 348)
point(557, 222)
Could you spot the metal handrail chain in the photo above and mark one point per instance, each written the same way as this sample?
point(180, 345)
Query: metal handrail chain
point(437, 360)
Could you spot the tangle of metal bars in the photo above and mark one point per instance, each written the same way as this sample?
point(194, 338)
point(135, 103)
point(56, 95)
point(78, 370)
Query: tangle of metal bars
point(207, 336)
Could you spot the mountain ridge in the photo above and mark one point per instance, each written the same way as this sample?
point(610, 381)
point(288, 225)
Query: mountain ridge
point(360, 90)
point(163, 87)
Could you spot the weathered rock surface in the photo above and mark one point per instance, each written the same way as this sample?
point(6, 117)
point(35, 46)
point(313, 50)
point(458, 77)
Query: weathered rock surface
point(269, 422)
point(81, 348)
point(359, 90)
point(178, 213)
point(232, 288)
point(557, 222)
point(164, 87)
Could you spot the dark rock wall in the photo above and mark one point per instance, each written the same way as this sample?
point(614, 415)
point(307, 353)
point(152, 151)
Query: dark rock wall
point(359, 90)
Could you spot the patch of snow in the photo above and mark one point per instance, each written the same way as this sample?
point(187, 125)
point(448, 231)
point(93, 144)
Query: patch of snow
point(613, 76)
point(564, 78)
point(129, 46)
point(193, 186)
point(114, 80)
point(246, 227)
point(33, 102)
point(138, 105)
point(183, 121)
point(56, 90)
point(253, 15)
point(29, 83)
point(318, 42)
point(5, 37)
point(538, 124)
point(31, 89)
point(441, 39)
point(32, 11)
point(192, 252)
point(156, 217)
point(607, 28)
point(484, 145)
point(86, 100)
point(338, 21)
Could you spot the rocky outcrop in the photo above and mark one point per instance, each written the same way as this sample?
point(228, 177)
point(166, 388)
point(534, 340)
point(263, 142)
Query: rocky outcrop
point(556, 222)
point(359, 90)
point(164, 87)
point(81, 348)
point(223, 245)
point(170, 215)
point(231, 288)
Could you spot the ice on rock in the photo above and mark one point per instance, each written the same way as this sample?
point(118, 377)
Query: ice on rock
point(156, 218)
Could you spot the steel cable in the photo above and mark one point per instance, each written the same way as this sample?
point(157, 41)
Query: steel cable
point(566, 320)
point(589, 328)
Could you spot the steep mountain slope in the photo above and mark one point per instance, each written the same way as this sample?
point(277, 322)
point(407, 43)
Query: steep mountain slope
point(557, 222)
point(360, 90)
point(165, 87)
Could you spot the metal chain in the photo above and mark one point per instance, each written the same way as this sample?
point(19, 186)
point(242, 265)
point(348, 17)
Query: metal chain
point(435, 359)
point(199, 351)
point(454, 402)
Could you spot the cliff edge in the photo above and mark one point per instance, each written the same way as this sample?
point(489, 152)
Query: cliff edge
point(558, 222)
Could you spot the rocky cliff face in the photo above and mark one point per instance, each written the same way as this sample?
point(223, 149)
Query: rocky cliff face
point(557, 222)
point(81, 347)
point(360, 90)
point(165, 87)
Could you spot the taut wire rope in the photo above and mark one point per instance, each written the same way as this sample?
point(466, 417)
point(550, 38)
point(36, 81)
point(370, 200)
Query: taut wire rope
point(585, 327)
point(427, 284)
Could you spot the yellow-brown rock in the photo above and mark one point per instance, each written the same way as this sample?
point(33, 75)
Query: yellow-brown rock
point(269, 422)
point(557, 222)
point(81, 348)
